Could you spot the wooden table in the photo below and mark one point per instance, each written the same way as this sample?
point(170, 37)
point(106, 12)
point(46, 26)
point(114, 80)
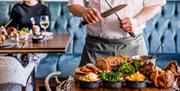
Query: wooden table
point(58, 44)
point(76, 87)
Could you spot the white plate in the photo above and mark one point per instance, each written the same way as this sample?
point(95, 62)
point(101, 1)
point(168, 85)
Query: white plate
point(47, 33)
point(6, 45)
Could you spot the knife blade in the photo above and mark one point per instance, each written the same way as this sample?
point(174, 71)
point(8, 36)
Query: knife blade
point(110, 12)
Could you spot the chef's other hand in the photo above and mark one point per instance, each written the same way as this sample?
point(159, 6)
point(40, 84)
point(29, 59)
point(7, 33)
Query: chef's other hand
point(91, 15)
point(129, 24)
point(36, 30)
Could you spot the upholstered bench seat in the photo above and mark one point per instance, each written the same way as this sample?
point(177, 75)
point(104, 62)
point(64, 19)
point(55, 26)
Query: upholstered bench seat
point(67, 63)
point(163, 28)
point(47, 66)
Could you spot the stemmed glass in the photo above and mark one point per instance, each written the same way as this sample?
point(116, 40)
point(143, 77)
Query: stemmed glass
point(44, 22)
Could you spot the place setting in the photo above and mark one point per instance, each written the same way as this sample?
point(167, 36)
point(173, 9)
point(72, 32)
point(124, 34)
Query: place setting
point(39, 37)
point(7, 44)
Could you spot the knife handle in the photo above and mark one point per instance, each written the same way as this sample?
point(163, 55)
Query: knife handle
point(132, 34)
point(84, 23)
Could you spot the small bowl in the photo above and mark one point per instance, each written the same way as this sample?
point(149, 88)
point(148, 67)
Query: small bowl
point(135, 84)
point(112, 84)
point(89, 84)
point(144, 59)
point(38, 39)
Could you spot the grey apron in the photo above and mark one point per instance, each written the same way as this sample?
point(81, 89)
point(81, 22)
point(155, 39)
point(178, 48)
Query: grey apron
point(96, 47)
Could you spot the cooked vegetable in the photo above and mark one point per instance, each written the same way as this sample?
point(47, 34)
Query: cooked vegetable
point(111, 76)
point(137, 65)
point(136, 77)
point(126, 68)
point(26, 30)
point(89, 77)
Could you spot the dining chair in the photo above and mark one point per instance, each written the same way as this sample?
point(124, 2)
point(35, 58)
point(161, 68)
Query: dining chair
point(13, 76)
point(64, 85)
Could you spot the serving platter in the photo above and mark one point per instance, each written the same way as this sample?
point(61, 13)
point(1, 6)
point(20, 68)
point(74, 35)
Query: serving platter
point(134, 71)
point(76, 87)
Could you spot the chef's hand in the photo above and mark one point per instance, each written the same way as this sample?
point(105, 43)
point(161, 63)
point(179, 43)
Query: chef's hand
point(129, 24)
point(91, 15)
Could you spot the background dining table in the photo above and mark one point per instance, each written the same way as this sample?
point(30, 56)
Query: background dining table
point(57, 44)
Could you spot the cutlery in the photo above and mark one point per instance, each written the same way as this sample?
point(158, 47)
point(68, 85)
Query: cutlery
point(110, 12)
point(130, 33)
point(32, 20)
point(154, 56)
point(8, 23)
point(33, 23)
point(162, 44)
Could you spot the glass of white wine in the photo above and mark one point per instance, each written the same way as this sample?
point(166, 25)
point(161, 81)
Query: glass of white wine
point(44, 22)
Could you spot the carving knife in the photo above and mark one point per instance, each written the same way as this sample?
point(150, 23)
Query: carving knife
point(130, 33)
point(110, 12)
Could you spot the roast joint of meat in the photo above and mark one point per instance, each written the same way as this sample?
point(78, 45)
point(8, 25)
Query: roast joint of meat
point(109, 63)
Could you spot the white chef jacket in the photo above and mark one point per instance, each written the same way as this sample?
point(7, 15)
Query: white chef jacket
point(109, 27)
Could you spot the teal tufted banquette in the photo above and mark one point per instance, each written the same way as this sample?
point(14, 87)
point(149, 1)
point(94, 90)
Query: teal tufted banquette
point(164, 27)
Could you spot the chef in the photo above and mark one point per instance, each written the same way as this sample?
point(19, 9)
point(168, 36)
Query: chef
point(108, 36)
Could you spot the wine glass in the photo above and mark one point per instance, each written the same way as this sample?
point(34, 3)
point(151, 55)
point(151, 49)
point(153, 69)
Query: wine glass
point(44, 22)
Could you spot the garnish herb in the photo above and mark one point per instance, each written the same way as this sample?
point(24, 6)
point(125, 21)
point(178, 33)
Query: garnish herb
point(25, 29)
point(137, 65)
point(110, 76)
point(126, 68)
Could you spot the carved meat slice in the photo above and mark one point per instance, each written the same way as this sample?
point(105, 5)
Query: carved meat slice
point(147, 69)
point(102, 64)
point(166, 79)
point(78, 71)
point(93, 68)
point(86, 69)
point(173, 67)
